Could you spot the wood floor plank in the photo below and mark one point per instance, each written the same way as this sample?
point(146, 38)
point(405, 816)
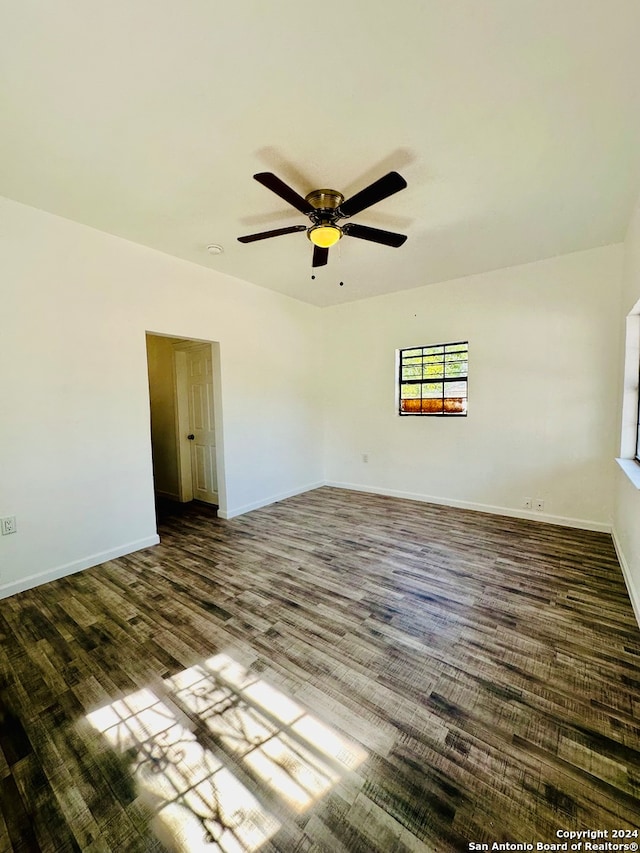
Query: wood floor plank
point(336, 672)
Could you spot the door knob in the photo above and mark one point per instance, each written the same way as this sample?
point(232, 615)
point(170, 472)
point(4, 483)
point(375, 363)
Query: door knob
point(191, 437)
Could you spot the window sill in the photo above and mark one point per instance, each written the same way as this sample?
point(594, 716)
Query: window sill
point(632, 469)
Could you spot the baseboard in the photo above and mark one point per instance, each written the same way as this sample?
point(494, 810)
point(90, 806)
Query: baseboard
point(232, 513)
point(563, 521)
point(29, 582)
point(634, 595)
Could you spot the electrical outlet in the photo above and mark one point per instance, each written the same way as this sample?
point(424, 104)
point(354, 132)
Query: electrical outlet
point(365, 457)
point(8, 524)
point(539, 504)
point(527, 503)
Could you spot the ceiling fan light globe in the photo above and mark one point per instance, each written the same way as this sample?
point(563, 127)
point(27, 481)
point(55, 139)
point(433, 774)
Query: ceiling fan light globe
point(324, 236)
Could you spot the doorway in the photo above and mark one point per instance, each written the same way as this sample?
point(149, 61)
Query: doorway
point(186, 423)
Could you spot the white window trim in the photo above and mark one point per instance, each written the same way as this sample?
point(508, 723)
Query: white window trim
point(628, 434)
point(631, 469)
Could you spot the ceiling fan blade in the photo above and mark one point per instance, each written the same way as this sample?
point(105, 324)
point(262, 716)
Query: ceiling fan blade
point(375, 235)
point(375, 192)
point(320, 256)
point(272, 182)
point(264, 235)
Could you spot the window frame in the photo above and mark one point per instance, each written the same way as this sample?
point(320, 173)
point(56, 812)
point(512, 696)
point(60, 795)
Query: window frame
point(637, 424)
point(628, 459)
point(400, 381)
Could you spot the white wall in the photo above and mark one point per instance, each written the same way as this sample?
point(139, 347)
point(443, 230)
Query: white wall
point(626, 526)
point(75, 456)
point(543, 341)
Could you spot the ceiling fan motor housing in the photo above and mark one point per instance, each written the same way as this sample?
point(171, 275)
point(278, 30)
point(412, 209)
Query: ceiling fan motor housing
point(325, 200)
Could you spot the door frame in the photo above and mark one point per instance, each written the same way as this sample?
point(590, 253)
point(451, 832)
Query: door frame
point(183, 449)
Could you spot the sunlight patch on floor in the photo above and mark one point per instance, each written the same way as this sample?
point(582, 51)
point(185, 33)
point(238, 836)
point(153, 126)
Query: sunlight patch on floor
point(199, 802)
point(289, 749)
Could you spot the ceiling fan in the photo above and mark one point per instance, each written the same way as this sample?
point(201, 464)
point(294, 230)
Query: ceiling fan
point(325, 207)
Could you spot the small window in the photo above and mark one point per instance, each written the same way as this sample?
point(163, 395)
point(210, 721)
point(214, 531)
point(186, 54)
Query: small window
point(433, 379)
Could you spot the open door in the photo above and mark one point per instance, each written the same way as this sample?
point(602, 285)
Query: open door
point(186, 422)
point(201, 423)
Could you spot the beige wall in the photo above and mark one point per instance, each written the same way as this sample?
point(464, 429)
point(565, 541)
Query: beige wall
point(543, 342)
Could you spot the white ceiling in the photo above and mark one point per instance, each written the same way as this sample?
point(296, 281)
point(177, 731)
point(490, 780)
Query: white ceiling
point(516, 124)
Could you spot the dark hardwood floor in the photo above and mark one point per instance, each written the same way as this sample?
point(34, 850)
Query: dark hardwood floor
point(335, 672)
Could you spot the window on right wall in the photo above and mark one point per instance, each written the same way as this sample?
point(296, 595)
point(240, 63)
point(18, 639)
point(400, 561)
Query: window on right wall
point(433, 379)
point(637, 455)
point(629, 459)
